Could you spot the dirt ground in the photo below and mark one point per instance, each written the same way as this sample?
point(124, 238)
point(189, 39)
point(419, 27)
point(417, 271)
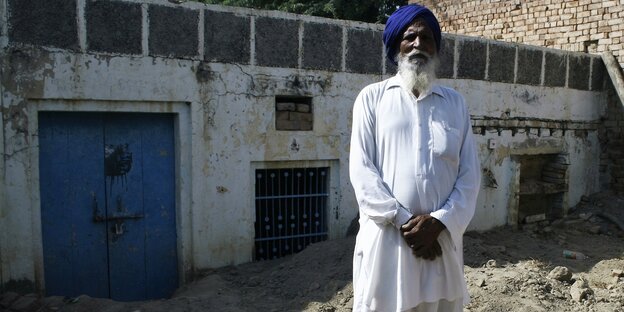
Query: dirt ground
point(506, 269)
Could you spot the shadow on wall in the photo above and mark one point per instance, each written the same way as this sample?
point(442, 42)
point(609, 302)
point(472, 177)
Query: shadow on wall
point(22, 286)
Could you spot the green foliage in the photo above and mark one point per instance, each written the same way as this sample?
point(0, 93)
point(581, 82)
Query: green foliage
point(371, 11)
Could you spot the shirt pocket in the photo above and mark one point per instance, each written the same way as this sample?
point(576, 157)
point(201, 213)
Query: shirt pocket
point(446, 141)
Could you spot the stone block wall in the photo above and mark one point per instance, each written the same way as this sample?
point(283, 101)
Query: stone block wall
point(223, 35)
point(294, 114)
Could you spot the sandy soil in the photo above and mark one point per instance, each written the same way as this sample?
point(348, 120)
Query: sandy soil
point(506, 269)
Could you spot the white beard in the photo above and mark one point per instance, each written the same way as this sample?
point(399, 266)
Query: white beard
point(416, 75)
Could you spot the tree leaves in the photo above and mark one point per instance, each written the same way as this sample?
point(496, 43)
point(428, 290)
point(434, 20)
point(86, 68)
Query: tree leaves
point(371, 11)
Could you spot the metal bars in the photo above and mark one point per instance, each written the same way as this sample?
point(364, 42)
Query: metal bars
point(291, 210)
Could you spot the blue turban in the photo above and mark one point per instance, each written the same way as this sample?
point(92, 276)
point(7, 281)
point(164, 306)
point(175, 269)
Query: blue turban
point(400, 20)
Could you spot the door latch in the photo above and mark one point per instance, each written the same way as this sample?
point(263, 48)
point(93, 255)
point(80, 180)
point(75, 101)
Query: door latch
point(119, 228)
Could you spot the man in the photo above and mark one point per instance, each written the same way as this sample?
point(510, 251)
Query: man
point(416, 174)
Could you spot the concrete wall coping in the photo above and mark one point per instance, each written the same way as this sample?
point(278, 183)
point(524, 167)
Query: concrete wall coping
point(215, 33)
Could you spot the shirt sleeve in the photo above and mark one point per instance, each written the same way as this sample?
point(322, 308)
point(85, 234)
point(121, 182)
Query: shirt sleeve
point(459, 208)
point(372, 193)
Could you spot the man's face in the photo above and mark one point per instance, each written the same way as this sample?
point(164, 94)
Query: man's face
point(418, 42)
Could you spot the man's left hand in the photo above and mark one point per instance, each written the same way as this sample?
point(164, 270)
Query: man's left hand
point(421, 234)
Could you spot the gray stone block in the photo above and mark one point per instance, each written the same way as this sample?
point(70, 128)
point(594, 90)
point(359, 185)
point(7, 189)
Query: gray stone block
point(304, 107)
point(555, 70)
point(364, 51)
point(472, 60)
point(391, 69)
point(172, 31)
point(285, 106)
point(598, 73)
point(446, 57)
point(226, 37)
point(502, 63)
point(47, 23)
point(529, 66)
point(277, 42)
point(114, 27)
point(578, 76)
point(322, 46)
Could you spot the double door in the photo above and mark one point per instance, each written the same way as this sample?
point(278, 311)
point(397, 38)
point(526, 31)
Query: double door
point(108, 219)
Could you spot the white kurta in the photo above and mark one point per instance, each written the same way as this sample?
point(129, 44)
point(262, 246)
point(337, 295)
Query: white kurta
point(410, 156)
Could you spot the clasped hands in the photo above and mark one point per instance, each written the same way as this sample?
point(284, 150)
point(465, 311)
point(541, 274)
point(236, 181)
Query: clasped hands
point(421, 234)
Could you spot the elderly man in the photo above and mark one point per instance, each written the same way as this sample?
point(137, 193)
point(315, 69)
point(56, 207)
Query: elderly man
point(416, 174)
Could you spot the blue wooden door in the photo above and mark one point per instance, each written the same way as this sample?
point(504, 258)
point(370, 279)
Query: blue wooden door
point(108, 204)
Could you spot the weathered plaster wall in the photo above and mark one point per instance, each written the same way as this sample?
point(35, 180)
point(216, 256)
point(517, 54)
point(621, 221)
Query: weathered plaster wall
point(219, 69)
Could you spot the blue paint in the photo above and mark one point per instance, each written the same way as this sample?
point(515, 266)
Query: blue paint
point(108, 223)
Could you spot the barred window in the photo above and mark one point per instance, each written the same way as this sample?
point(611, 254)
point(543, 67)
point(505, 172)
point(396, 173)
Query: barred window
point(291, 210)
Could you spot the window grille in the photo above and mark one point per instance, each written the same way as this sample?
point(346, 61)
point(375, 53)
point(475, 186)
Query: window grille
point(291, 207)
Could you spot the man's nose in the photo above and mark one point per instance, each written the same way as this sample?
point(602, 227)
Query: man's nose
point(416, 43)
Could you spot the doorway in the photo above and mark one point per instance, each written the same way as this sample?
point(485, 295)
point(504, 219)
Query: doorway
point(107, 188)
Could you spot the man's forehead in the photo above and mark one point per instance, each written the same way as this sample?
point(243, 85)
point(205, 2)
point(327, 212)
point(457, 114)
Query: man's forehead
point(418, 24)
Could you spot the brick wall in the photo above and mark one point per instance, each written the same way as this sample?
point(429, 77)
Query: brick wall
point(578, 25)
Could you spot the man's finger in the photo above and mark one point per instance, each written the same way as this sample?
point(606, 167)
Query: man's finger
point(430, 254)
point(437, 248)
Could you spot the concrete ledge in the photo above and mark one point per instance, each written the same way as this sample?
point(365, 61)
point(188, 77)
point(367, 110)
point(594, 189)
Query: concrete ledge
point(472, 60)
point(578, 72)
point(322, 46)
point(529, 66)
point(114, 27)
point(447, 58)
point(598, 73)
point(279, 39)
point(391, 69)
point(364, 51)
point(51, 23)
point(226, 37)
point(501, 65)
point(277, 42)
point(555, 70)
point(173, 31)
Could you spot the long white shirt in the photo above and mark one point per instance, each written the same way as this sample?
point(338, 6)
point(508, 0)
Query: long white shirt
point(408, 157)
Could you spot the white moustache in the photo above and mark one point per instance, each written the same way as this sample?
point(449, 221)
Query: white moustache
point(418, 54)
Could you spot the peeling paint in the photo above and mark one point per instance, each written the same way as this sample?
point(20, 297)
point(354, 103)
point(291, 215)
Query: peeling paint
point(16, 117)
point(531, 99)
point(24, 71)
